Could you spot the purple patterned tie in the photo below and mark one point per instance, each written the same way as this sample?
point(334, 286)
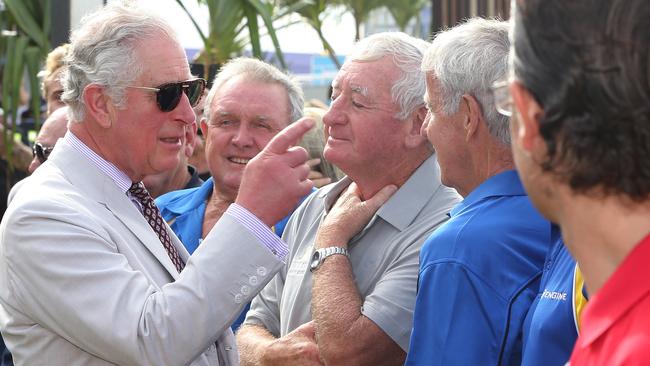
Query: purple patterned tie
point(152, 214)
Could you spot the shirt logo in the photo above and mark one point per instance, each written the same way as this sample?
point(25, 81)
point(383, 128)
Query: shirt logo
point(554, 295)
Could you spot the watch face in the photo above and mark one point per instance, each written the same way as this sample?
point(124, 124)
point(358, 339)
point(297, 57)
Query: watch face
point(315, 260)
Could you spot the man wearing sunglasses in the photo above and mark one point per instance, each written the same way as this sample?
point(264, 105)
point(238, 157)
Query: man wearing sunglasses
point(54, 128)
point(90, 273)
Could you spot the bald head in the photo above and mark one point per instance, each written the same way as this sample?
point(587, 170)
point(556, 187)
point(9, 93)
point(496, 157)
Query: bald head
point(54, 127)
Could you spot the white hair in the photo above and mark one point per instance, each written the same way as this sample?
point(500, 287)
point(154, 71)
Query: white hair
point(255, 70)
point(406, 52)
point(103, 52)
point(468, 59)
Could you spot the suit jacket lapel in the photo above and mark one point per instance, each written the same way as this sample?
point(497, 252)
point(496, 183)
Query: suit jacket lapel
point(101, 188)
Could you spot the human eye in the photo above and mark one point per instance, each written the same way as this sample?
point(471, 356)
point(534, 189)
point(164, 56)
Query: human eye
point(358, 104)
point(224, 122)
point(262, 125)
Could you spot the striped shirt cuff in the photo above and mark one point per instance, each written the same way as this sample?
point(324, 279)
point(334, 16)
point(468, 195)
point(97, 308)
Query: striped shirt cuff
point(267, 237)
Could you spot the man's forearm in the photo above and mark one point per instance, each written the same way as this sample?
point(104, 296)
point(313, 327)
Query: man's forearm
point(344, 335)
point(251, 342)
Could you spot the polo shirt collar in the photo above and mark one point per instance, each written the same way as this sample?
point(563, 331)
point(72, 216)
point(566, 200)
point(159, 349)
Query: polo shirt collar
point(197, 197)
point(506, 183)
point(405, 204)
point(624, 289)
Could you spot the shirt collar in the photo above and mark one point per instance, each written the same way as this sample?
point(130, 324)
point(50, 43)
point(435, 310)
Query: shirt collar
point(178, 203)
point(503, 184)
point(118, 176)
point(405, 204)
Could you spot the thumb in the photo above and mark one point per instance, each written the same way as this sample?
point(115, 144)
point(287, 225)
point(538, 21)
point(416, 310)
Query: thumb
point(380, 197)
point(308, 329)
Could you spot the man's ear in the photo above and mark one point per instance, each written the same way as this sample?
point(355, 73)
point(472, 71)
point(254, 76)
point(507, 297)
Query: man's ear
point(525, 120)
point(98, 105)
point(474, 116)
point(190, 135)
point(414, 125)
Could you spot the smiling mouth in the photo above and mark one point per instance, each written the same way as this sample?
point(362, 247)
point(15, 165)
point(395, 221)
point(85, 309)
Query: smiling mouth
point(242, 161)
point(171, 140)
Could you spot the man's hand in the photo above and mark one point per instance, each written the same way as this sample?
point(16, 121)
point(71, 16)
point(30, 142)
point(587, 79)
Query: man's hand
point(349, 215)
point(276, 179)
point(296, 348)
point(315, 176)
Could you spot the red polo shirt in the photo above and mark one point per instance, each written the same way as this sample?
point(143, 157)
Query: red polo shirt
point(616, 323)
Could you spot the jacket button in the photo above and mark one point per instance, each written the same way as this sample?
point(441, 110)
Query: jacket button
point(239, 298)
point(261, 271)
point(252, 280)
point(245, 290)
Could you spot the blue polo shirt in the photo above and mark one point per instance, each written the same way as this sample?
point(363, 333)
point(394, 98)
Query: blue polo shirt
point(552, 324)
point(183, 210)
point(479, 274)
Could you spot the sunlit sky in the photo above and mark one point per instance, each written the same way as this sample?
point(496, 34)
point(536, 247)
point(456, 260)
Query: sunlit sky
point(301, 38)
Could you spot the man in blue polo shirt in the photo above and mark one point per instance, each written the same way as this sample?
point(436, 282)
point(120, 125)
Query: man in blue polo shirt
point(480, 271)
point(553, 322)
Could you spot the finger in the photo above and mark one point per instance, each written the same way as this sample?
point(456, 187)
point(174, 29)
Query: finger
point(295, 156)
point(313, 174)
point(308, 329)
point(289, 136)
point(302, 172)
point(351, 192)
point(306, 187)
point(381, 197)
point(313, 162)
point(320, 182)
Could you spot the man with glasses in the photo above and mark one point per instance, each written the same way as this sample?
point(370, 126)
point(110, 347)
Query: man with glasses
point(581, 142)
point(480, 271)
point(89, 272)
point(54, 128)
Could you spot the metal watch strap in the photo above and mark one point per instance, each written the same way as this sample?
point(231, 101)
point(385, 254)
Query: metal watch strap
point(323, 253)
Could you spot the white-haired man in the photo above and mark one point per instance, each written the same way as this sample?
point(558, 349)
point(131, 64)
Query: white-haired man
point(90, 273)
point(341, 298)
point(480, 271)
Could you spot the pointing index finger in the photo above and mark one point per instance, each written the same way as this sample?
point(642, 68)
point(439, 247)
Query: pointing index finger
point(289, 136)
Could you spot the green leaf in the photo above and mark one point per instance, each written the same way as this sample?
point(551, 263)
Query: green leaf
point(265, 14)
point(27, 23)
point(33, 60)
point(253, 29)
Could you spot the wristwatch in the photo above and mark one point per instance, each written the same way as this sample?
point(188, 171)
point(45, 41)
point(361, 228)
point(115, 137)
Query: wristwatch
point(319, 256)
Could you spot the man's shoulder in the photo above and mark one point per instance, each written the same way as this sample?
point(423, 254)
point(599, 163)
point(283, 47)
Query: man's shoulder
point(490, 231)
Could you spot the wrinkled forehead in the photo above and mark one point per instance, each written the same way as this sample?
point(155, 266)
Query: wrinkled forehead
point(367, 78)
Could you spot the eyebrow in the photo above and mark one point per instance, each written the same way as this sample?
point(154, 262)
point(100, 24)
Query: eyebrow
point(359, 89)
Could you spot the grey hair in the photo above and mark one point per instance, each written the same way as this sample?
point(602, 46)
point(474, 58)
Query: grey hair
point(103, 52)
point(255, 70)
point(468, 59)
point(406, 52)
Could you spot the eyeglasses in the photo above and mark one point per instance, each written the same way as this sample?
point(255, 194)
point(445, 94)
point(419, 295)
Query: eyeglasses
point(41, 152)
point(502, 98)
point(169, 95)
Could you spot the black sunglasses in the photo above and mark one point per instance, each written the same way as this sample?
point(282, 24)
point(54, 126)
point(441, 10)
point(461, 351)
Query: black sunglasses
point(41, 152)
point(169, 95)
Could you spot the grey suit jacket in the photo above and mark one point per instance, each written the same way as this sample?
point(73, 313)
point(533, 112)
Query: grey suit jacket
point(84, 280)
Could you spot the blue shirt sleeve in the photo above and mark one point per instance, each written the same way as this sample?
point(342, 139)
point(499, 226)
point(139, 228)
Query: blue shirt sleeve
point(454, 321)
